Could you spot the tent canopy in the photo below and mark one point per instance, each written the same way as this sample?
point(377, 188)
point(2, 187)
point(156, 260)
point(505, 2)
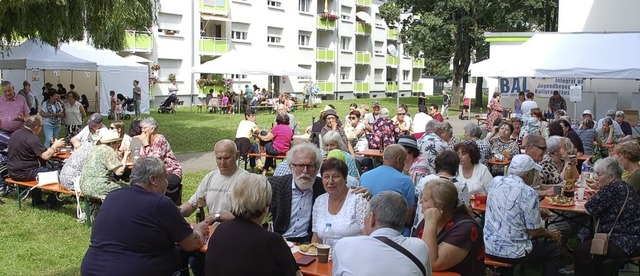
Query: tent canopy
point(138, 59)
point(569, 55)
point(37, 54)
point(253, 62)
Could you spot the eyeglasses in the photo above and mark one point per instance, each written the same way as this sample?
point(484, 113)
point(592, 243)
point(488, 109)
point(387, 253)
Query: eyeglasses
point(353, 117)
point(303, 166)
point(401, 114)
point(540, 147)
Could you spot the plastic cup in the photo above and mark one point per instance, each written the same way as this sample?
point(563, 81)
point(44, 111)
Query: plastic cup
point(557, 190)
point(580, 193)
point(323, 253)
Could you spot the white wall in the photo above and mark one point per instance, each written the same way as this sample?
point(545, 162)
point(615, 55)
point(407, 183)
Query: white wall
point(598, 16)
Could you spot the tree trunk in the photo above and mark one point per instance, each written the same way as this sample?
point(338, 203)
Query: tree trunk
point(479, 83)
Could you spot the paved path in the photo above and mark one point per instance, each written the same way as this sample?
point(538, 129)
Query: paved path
point(198, 161)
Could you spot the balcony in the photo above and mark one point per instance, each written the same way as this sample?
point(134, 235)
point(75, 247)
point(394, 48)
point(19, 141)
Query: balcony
point(363, 57)
point(326, 87)
point(363, 3)
point(393, 61)
point(393, 34)
point(325, 55)
point(361, 87)
point(418, 63)
point(417, 86)
point(210, 46)
point(220, 7)
point(326, 24)
point(363, 29)
point(139, 42)
point(392, 86)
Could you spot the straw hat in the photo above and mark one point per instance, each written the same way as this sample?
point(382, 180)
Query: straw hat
point(109, 136)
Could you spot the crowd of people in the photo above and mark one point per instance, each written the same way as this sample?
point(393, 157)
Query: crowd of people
point(416, 196)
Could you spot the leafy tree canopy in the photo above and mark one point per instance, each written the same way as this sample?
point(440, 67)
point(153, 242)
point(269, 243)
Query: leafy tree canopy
point(56, 21)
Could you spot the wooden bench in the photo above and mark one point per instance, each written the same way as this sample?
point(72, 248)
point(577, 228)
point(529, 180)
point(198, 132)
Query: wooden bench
point(54, 188)
point(495, 264)
point(260, 155)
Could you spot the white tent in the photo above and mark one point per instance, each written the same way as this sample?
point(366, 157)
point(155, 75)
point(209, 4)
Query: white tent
point(253, 62)
point(137, 59)
point(34, 54)
point(116, 73)
point(571, 55)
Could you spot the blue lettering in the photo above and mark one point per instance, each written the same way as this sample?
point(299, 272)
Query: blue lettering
point(504, 86)
point(516, 85)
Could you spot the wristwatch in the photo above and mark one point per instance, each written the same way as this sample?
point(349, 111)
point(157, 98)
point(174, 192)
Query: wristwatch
point(216, 217)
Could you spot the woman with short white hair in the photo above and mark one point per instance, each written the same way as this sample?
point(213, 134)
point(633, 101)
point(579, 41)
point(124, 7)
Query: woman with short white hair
point(553, 163)
point(333, 140)
point(244, 238)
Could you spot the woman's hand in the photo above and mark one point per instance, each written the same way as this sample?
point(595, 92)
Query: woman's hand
point(432, 215)
point(144, 138)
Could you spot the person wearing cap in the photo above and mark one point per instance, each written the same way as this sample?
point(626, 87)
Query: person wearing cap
point(611, 114)
point(90, 132)
point(586, 114)
point(384, 131)
point(415, 164)
point(95, 179)
point(331, 119)
point(25, 152)
point(513, 230)
point(557, 102)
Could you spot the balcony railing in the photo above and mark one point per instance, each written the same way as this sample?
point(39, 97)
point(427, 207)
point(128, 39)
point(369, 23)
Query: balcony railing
point(392, 86)
point(364, 3)
point(361, 87)
point(326, 24)
point(393, 34)
point(210, 46)
point(363, 57)
point(325, 55)
point(393, 61)
point(219, 7)
point(326, 87)
point(139, 42)
point(417, 86)
point(418, 63)
point(363, 29)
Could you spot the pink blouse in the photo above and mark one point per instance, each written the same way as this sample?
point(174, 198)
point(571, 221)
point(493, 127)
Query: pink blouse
point(160, 148)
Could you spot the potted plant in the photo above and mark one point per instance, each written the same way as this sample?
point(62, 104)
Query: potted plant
point(172, 77)
point(328, 16)
point(155, 67)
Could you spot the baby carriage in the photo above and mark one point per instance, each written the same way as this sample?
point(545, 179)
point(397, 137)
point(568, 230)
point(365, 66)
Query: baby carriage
point(127, 106)
point(169, 105)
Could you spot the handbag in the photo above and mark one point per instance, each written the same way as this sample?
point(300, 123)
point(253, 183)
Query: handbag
point(43, 179)
point(600, 242)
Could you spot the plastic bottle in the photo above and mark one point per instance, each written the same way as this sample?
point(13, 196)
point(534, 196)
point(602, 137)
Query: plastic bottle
point(328, 235)
point(136, 155)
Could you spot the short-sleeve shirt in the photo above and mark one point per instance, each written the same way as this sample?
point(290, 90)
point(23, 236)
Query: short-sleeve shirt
point(485, 150)
point(72, 168)
point(52, 108)
point(550, 174)
point(512, 209)
point(137, 93)
point(160, 148)
point(349, 221)
point(498, 146)
point(11, 109)
point(95, 179)
point(246, 129)
point(588, 136)
point(216, 190)
point(282, 135)
point(85, 135)
point(25, 149)
point(135, 234)
point(430, 146)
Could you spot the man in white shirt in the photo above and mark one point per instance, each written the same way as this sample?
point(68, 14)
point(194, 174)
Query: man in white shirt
point(420, 121)
point(173, 88)
point(368, 255)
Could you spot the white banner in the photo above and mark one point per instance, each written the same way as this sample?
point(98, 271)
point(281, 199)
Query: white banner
point(543, 87)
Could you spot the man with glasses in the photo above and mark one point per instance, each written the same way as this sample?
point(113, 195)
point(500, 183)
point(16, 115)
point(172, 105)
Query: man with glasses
point(90, 132)
point(433, 111)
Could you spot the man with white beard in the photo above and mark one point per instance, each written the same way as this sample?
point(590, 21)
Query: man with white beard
point(294, 194)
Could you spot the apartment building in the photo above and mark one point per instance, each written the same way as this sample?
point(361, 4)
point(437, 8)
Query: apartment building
point(345, 43)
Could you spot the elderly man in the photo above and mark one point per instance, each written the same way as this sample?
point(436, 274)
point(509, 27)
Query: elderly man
point(389, 177)
point(371, 118)
point(13, 110)
point(25, 154)
point(331, 118)
point(513, 229)
point(557, 102)
point(430, 144)
point(383, 223)
point(90, 132)
point(472, 132)
point(617, 130)
point(293, 122)
point(31, 99)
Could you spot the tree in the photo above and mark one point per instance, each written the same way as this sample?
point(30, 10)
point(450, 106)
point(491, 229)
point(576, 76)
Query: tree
point(451, 31)
point(104, 22)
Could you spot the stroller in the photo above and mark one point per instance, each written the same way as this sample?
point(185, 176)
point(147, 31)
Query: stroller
point(169, 105)
point(127, 106)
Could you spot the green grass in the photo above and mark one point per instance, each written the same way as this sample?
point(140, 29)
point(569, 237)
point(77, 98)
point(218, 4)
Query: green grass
point(42, 242)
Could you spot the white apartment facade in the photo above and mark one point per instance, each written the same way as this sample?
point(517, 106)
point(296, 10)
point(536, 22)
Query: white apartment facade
point(353, 55)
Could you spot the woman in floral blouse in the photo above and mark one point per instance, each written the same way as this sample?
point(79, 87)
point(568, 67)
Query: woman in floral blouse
point(52, 113)
point(495, 110)
point(154, 144)
point(552, 163)
point(614, 198)
point(503, 145)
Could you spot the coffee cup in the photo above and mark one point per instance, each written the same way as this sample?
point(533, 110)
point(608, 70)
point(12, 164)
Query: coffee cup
point(557, 190)
point(323, 253)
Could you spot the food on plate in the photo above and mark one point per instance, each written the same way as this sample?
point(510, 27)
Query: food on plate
point(311, 248)
point(561, 200)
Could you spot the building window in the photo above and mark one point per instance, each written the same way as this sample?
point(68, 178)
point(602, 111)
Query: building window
point(304, 5)
point(238, 76)
point(239, 35)
point(274, 35)
point(345, 43)
point(273, 39)
point(405, 75)
point(377, 74)
point(345, 13)
point(272, 3)
point(344, 73)
point(304, 78)
point(304, 39)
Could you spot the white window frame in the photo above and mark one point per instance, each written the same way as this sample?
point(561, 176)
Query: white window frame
point(238, 77)
point(378, 77)
point(345, 74)
point(239, 35)
point(346, 39)
point(274, 39)
point(406, 75)
point(304, 39)
point(274, 4)
point(304, 6)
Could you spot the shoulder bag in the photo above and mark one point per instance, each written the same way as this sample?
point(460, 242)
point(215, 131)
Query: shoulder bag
point(405, 252)
point(600, 242)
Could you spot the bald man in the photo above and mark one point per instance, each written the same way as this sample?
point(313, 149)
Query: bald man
point(215, 188)
point(389, 177)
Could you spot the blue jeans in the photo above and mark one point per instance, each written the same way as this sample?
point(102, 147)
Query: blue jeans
point(50, 131)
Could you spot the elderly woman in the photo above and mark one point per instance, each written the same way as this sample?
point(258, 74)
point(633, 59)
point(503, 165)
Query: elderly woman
point(475, 175)
point(384, 131)
point(243, 238)
point(453, 238)
point(156, 145)
point(495, 110)
point(403, 121)
point(416, 164)
point(125, 144)
point(624, 125)
point(588, 136)
point(138, 228)
point(339, 206)
point(95, 179)
point(73, 114)
point(517, 130)
point(446, 133)
point(472, 132)
point(73, 167)
point(628, 154)
point(332, 140)
point(535, 125)
point(607, 132)
point(355, 131)
point(616, 210)
point(278, 140)
point(553, 163)
point(52, 113)
point(503, 145)
point(90, 132)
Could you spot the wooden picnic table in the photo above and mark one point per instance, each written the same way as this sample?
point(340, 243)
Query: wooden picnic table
point(493, 161)
point(608, 146)
point(370, 153)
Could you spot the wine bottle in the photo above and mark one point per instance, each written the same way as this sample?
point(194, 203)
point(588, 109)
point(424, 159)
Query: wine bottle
point(200, 211)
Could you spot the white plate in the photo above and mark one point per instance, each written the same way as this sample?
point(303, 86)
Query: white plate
point(295, 249)
point(290, 244)
point(308, 254)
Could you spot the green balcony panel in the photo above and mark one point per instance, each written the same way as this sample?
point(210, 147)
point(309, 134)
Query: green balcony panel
point(363, 2)
point(326, 24)
point(326, 87)
point(218, 7)
point(144, 41)
point(325, 55)
point(139, 42)
point(417, 87)
point(418, 63)
point(393, 34)
point(392, 87)
point(363, 29)
point(216, 47)
point(130, 40)
point(361, 87)
point(363, 57)
point(391, 60)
